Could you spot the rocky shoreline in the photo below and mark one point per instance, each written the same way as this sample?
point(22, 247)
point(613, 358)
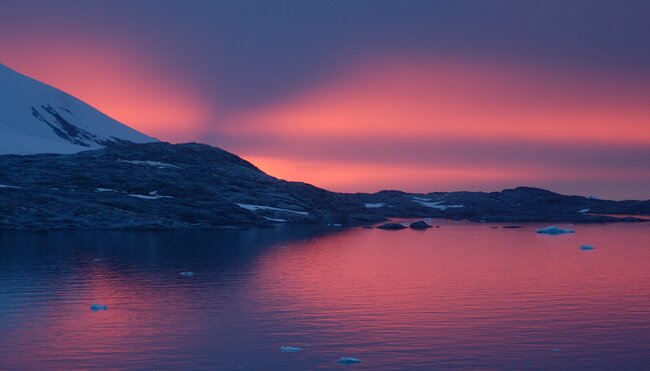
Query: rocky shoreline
point(196, 186)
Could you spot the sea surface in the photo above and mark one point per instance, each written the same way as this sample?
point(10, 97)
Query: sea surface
point(462, 296)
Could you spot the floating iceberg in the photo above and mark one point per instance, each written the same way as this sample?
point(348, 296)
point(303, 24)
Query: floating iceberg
point(553, 230)
point(586, 247)
point(98, 307)
point(290, 349)
point(187, 274)
point(349, 360)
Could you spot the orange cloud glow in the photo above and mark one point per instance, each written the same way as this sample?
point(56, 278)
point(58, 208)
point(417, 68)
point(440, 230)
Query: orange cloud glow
point(118, 80)
point(409, 98)
point(442, 124)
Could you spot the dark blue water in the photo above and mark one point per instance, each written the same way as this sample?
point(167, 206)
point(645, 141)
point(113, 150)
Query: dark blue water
point(464, 296)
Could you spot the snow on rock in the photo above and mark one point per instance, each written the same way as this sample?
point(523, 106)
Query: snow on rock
point(374, 206)
point(290, 349)
point(553, 230)
point(153, 195)
point(160, 165)
point(104, 190)
point(98, 307)
point(38, 118)
point(275, 219)
point(259, 207)
point(436, 205)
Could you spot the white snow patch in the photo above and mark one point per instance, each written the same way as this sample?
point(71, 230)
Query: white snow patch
point(275, 219)
point(259, 207)
point(374, 206)
point(104, 190)
point(153, 195)
point(160, 165)
point(436, 205)
point(9, 186)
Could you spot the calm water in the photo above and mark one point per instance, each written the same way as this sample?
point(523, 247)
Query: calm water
point(462, 296)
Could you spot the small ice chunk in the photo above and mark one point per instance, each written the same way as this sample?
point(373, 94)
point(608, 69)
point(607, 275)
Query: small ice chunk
point(97, 307)
point(553, 230)
point(374, 205)
point(349, 360)
point(555, 350)
point(290, 349)
point(187, 274)
point(337, 225)
point(9, 186)
point(279, 220)
point(582, 211)
point(586, 247)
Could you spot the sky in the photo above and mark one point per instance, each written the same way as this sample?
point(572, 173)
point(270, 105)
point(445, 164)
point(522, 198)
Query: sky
point(359, 96)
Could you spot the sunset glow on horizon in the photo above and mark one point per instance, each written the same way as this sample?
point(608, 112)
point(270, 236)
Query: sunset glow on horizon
point(411, 110)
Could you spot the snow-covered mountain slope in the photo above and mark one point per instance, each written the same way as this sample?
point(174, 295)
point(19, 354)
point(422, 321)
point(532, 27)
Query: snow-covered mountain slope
point(38, 118)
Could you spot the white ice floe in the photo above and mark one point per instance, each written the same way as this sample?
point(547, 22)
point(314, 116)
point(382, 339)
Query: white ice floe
point(586, 247)
point(160, 165)
point(98, 307)
point(349, 360)
point(553, 230)
point(104, 190)
point(187, 274)
point(259, 207)
point(290, 349)
point(436, 205)
point(275, 219)
point(153, 195)
point(374, 206)
point(582, 211)
point(9, 186)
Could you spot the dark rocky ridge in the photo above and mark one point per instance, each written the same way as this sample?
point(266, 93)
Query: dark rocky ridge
point(160, 185)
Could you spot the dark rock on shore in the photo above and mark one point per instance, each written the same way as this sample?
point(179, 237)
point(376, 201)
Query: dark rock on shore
point(392, 226)
point(419, 225)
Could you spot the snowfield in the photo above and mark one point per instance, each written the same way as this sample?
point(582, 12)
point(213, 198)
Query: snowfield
point(38, 118)
point(435, 205)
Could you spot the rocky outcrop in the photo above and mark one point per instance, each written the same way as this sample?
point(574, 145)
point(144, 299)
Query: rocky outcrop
point(160, 185)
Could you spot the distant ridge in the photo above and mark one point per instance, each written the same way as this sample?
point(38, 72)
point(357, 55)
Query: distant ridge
point(38, 118)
